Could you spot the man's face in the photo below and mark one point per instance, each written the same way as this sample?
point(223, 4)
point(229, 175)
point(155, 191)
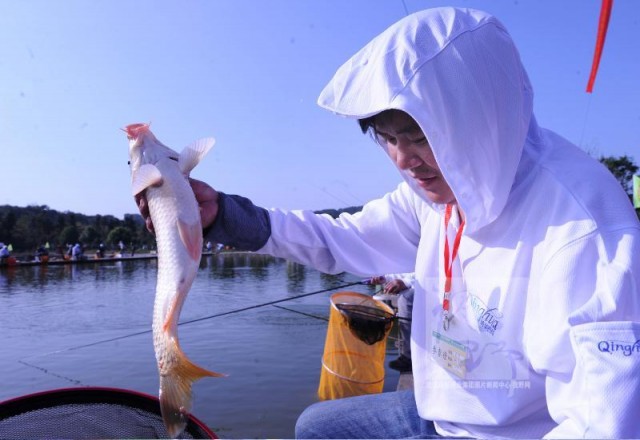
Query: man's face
point(410, 150)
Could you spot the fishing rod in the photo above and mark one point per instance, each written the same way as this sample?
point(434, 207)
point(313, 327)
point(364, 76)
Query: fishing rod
point(217, 315)
point(270, 303)
point(310, 315)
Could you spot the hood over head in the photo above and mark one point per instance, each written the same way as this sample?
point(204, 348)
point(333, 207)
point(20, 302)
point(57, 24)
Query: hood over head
point(459, 75)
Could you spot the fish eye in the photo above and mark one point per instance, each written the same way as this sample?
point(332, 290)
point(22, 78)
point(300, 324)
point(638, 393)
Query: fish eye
point(128, 162)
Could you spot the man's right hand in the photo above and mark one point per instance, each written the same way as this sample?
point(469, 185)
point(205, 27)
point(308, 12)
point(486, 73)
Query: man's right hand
point(206, 196)
point(394, 287)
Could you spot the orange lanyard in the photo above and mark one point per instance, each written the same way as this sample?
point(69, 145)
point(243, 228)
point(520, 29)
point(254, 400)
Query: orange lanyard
point(448, 260)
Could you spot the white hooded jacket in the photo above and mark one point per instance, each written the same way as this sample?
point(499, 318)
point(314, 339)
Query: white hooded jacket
point(546, 295)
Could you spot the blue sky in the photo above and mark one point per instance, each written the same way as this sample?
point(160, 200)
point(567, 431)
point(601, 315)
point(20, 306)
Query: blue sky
point(248, 72)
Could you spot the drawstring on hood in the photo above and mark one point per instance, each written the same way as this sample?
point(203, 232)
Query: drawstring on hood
point(459, 75)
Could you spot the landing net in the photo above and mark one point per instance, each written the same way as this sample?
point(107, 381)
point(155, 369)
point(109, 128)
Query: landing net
point(89, 413)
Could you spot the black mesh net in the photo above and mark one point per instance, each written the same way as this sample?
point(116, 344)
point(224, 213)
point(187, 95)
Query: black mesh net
point(89, 413)
point(369, 324)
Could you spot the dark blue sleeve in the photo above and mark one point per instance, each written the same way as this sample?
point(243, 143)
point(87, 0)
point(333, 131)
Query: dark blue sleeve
point(239, 224)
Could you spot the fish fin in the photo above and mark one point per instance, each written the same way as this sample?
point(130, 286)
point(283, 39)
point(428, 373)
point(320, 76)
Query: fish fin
point(191, 236)
point(144, 177)
point(171, 320)
point(175, 389)
point(173, 313)
point(193, 154)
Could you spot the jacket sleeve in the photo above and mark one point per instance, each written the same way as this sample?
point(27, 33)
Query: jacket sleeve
point(588, 343)
point(383, 237)
point(239, 223)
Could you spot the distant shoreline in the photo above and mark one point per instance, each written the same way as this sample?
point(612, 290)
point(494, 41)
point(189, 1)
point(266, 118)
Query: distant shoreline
point(111, 259)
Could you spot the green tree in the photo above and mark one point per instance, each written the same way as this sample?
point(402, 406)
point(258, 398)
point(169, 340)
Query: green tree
point(22, 237)
point(69, 235)
point(119, 234)
point(143, 237)
point(90, 236)
point(43, 224)
point(7, 225)
point(623, 168)
point(26, 228)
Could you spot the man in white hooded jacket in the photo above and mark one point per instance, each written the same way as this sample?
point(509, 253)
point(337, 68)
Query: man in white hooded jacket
point(526, 320)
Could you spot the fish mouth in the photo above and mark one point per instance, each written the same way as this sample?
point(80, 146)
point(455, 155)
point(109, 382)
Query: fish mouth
point(135, 130)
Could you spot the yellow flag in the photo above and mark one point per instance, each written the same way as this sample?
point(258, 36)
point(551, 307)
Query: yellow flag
point(636, 192)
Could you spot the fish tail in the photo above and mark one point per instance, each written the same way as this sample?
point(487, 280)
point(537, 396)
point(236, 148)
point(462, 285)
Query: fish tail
point(175, 391)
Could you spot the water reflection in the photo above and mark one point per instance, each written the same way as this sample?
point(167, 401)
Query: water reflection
point(330, 281)
point(231, 264)
point(296, 274)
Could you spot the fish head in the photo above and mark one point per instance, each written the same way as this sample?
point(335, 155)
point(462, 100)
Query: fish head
point(144, 148)
point(135, 130)
point(137, 134)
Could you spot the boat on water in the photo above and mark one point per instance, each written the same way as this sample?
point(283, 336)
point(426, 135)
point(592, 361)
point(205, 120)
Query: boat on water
point(8, 262)
point(65, 259)
point(46, 260)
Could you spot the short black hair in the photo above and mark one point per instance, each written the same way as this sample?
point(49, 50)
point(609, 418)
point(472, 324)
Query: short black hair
point(367, 123)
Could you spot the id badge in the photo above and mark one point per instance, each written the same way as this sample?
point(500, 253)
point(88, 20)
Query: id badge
point(449, 354)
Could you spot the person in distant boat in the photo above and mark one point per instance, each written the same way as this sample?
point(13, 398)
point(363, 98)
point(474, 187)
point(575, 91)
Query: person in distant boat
point(76, 252)
point(526, 251)
point(100, 253)
point(401, 285)
point(40, 253)
point(4, 253)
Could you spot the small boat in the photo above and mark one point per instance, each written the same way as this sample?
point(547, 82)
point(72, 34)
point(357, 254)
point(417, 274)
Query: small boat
point(8, 261)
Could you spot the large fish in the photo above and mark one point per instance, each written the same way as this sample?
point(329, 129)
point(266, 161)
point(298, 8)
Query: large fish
point(163, 173)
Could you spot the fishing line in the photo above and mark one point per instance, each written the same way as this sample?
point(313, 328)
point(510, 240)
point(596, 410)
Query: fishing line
point(244, 309)
point(204, 318)
point(51, 373)
point(404, 5)
point(302, 313)
point(584, 122)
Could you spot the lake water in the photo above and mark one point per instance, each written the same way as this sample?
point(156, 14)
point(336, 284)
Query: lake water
point(69, 325)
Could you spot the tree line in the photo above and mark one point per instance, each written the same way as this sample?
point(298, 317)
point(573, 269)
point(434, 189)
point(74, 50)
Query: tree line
point(27, 228)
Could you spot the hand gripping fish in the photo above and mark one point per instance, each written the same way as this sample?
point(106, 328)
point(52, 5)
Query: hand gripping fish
point(163, 173)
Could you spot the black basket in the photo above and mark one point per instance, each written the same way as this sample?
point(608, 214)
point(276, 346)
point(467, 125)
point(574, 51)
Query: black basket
point(89, 413)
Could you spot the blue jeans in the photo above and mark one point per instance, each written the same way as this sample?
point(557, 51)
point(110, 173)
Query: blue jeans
point(386, 415)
